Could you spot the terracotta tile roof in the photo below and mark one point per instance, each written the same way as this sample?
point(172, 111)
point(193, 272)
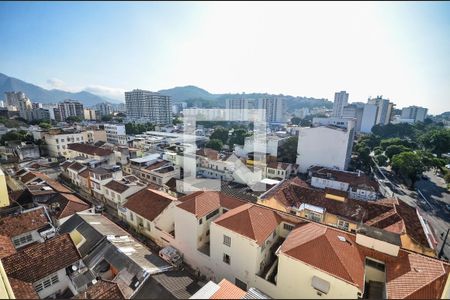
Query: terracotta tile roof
point(414, 276)
point(156, 165)
point(66, 164)
point(12, 226)
point(319, 246)
point(202, 203)
point(209, 153)
point(228, 290)
point(40, 189)
point(76, 166)
point(69, 204)
point(53, 183)
point(352, 178)
point(131, 178)
point(22, 290)
point(103, 289)
point(84, 173)
point(41, 259)
point(6, 246)
point(21, 172)
point(89, 149)
point(149, 203)
point(252, 221)
point(117, 186)
point(27, 177)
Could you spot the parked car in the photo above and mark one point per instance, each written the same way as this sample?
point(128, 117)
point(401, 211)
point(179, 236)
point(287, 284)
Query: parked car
point(171, 255)
point(99, 209)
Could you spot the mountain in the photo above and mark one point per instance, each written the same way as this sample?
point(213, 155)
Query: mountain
point(38, 94)
point(183, 93)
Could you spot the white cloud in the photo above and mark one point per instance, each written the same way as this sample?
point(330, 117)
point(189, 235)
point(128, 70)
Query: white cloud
point(106, 91)
point(56, 83)
point(100, 90)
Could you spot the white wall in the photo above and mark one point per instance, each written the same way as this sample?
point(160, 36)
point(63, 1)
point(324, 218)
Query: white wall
point(325, 147)
point(369, 117)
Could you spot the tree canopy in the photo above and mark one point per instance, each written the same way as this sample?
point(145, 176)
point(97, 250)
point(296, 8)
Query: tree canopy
point(135, 128)
point(215, 144)
point(220, 134)
point(288, 151)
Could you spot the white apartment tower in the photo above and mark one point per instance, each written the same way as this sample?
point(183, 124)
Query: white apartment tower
point(340, 100)
point(416, 113)
point(70, 108)
point(145, 106)
point(384, 112)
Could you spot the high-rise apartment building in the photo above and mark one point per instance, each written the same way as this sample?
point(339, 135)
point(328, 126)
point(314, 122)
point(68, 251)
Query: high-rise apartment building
point(104, 109)
point(25, 107)
point(340, 100)
point(12, 98)
point(238, 109)
point(384, 111)
point(354, 111)
point(69, 108)
point(145, 106)
point(416, 113)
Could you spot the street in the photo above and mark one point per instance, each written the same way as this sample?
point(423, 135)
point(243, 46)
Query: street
point(430, 196)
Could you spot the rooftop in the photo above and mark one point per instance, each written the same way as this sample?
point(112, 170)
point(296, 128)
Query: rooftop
point(66, 205)
point(103, 289)
point(252, 221)
point(27, 221)
point(40, 260)
point(202, 203)
point(89, 149)
point(149, 203)
point(352, 178)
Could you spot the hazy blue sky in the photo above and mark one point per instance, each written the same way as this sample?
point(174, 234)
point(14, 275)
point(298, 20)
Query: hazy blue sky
point(398, 50)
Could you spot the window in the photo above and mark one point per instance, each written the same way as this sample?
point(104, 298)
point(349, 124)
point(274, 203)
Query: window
point(200, 221)
point(226, 240)
point(240, 284)
point(47, 282)
point(274, 234)
point(343, 225)
point(375, 264)
point(212, 214)
point(25, 239)
point(131, 216)
point(57, 141)
point(288, 227)
point(226, 259)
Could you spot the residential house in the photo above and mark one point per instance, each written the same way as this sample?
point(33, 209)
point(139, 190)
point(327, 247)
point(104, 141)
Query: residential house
point(27, 227)
point(332, 207)
point(151, 213)
point(358, 185)
point(117, 191)
point(101, 156)
point(286, 256)
point(100, 176)
point(112, 254)
point(63, 206)
point(152, 169)
point(44, 267)
point(193, 217)
point(280, 170)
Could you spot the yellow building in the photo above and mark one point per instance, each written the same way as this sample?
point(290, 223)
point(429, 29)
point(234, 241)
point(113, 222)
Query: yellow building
point(4, 198)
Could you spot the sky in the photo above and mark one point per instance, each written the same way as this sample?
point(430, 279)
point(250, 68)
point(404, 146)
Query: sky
point(400, 50)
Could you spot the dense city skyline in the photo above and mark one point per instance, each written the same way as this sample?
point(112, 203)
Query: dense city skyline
point(397, 50)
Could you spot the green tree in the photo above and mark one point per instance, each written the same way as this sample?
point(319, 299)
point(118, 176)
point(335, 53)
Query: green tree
point(107, 118)
point(19, 135)
point(377, 151)
point(296, 120)
point(408, 165)
point(176, 121)
point(220, 134)
point(238, 137)
point(215, 144)
point(45, 125)
point(381, 160)
point(394, 141)
point(288, 151)
point(395, 149)
point(73, 119)
point(134, 128)
point(437, 141)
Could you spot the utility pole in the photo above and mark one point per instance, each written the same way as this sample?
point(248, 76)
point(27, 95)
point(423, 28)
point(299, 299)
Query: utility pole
point(443, 244)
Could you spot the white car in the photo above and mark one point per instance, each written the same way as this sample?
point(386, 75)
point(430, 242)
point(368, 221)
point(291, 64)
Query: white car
point(171, 255)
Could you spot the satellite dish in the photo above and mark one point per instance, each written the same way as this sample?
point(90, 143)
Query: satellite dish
point(74, 268)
